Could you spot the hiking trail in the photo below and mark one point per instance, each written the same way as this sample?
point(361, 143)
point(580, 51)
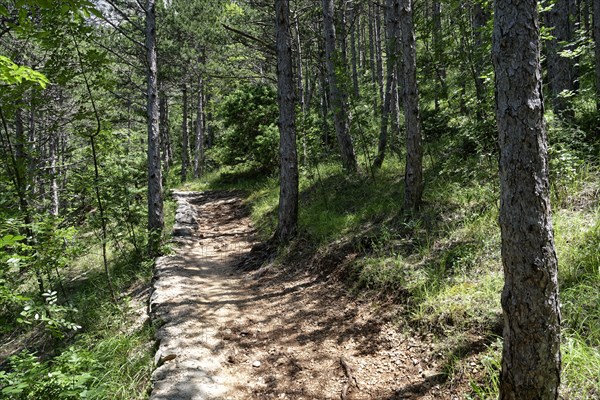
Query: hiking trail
point(229, 334)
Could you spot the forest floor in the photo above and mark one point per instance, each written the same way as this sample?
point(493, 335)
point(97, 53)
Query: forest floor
point(274, 333)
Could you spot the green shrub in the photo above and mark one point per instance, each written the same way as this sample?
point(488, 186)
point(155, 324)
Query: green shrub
point(251, 135)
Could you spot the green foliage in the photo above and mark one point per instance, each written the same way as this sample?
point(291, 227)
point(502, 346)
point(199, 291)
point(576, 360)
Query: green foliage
point(63, 379)
point(14, 74)
point(250, 114)
point(54, 317)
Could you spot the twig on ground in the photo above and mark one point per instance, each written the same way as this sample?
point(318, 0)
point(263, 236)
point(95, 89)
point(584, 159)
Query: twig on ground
point(352, 382)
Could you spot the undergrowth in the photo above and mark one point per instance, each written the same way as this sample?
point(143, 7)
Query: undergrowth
point(110, 356)
point(443, 267)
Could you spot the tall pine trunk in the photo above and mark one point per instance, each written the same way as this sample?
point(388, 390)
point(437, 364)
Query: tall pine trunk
point(391, 24)
point(597, 50)
point(339, 97)
point(479, 21)
point(288, 159)
point(413, 176)
point(53, 159)
point(155, 195)
point(199, 142)
point(185, 141)
point(561, 72)
point(531, 354)
point(164, 135)
point(378, 50)
point(354, 21)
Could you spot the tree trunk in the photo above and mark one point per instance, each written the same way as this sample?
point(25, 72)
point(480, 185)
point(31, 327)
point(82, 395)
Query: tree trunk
point(300, 69)
point(585, 13)
point(389, 96)
point(185, 141)
point(21, 163)
point(338, 95)
point(438, 51)
point(561, 74)
point(378, 51)
point(168, 146)
point(597, 51)
point(164, 139)
point(341, 19)
point(53, 150)
point(199, 143)
point(354, 20)
point(531, 354)
point(155, 195)
point(413, 177)
point(372, 47)
point(480, 19)
point(288, 167)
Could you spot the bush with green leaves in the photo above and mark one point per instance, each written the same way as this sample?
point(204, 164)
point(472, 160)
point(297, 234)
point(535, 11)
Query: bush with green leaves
point(66, 377)
point(251, 135)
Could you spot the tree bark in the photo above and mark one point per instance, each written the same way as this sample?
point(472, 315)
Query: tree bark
point(164, 137)
point(597, 50)
point(185, 141)
point(391, 24)
point(354, 20)
point(413, 177)
point(480, 19)
point(438, 51)
point(53, 150)
point(378, 51)
point(561, 73)
point(155, 195)
point(338, 95)
point(199, 142)
point(288, 159)
point(372, 47)
point(531, 354)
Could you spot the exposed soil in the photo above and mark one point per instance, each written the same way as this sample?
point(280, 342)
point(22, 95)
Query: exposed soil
point(272, 333)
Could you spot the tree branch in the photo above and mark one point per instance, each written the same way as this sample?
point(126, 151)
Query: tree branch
point(268, 47)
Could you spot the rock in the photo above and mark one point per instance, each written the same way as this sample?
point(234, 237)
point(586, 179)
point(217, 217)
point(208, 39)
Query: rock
point(160, 358)
point(256, 364)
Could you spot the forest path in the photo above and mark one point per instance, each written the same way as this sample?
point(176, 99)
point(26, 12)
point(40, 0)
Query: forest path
point(234, 335)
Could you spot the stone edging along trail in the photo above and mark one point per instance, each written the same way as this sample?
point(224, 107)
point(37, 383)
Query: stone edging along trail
point(194, 289)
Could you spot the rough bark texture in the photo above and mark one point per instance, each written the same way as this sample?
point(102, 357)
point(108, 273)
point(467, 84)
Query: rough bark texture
point(391, 25)
point(338, 95)
point(531, 355)
point(288, 159)
point(597, 51)
point(155, 195)
point(378, 50)
point(561, 73)
point(372, 47)
point(354, 21)
point(199, 142)
point(53, 158)
point(164, 136)
point(413, 177)
point(438, 51)
point(185, 140)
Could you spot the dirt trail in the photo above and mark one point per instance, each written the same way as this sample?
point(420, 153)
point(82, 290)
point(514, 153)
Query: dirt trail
point(234, 335)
